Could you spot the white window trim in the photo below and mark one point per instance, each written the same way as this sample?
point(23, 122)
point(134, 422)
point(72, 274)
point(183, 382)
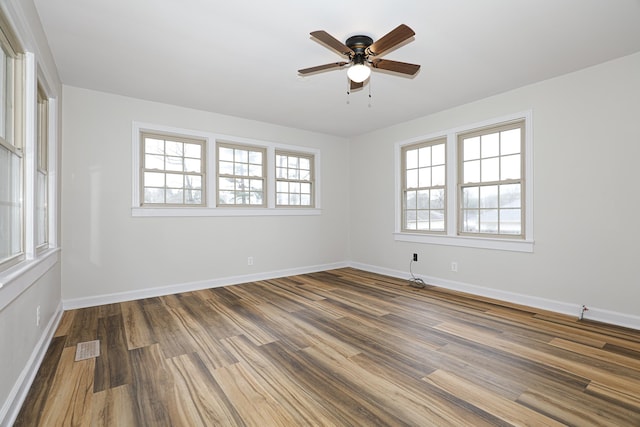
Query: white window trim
point(451, 237)
point(211, 185)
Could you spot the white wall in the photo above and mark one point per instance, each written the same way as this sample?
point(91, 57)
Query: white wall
point(107, 251)
point(36, 281)
point(586, 153)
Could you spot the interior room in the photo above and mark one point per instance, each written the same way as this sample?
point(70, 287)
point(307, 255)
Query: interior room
point(475, 192)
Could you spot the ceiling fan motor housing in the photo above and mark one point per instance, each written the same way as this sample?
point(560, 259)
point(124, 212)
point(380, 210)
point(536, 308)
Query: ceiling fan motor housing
point(359, 44)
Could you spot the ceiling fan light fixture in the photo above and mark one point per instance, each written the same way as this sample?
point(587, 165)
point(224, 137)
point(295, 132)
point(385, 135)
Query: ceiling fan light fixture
point(358, 73)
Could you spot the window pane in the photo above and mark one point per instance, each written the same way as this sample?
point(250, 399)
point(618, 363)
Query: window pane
point(174, 164)
point(410, 222)
point(470, 220)
point(173, 148)
point(153, 195)
point(490, 145)
point(192, 150)
point(411, 199)
point(175, 195)
point(153, 162)
point(510, 142)
point(305, 199)
point(471, 197)
point(255, 157)
point(153, 146)
point(423, 220)
point(225, 154)
point(281, 172)
point(193, 197)
point(293, 174)
point(437, 154)
point(255, 170)
point(305, 163)
point(471, 171)
point(510, 167)
point(153, 179)
point(510, 196)
point(412, 159)
point(424, 177)
point(510, 221)
point(193, 182)
point(489, 196)
point(471, 148)
point(424, 157)
point(240, 169)
point(241, 156)
point(437, 199)
point(490, 169)
point(225, 168)
point(437, 220)
point(175, 180)
point(489, 221)
point(423, 199)
point(412, 178)
point(192, 165)
point(438, 175)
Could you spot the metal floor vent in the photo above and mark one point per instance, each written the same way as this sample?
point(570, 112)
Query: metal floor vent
point(87, 350)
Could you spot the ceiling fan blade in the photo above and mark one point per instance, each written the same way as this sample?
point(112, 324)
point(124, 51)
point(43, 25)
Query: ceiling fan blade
point(322, 67)
point(355, 85)
point(332, 42)
point(391, 39)
point(398, 67)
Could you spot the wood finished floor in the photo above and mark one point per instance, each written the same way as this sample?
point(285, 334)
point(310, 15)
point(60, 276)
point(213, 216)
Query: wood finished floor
point(336, 348)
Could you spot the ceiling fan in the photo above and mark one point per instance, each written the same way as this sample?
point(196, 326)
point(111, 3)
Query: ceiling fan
point(362, 52)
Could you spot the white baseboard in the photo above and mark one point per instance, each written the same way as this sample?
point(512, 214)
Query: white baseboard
point(571, 309)
point(12, 405)
point(70, 304)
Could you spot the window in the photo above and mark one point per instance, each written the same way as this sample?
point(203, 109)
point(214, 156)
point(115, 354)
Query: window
point(11, 154)
point(42, 196)
point(184, 172)
point(241, 175)
point(294, 179)
point(423, 186)
point(470, 186)
point(173, 170)
point(491, 185)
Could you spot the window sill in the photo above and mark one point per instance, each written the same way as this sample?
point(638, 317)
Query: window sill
point(203, 212)
point(15, 280)
point(468, 242)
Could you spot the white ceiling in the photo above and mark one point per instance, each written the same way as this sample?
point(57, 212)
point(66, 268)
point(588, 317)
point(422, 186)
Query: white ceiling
point(240, 57)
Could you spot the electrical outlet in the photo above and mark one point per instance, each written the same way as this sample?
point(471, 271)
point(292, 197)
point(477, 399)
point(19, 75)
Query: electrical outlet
point(454, 266)
point(38, 316)
point(415, 257)
point(250, 260)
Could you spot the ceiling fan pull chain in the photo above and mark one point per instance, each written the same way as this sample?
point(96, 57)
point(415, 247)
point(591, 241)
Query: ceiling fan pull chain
point(348, 91)
point(370, 99)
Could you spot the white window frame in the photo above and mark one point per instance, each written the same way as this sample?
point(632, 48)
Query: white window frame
point(211, 209)
point(262, 178)
point(144, 168)
point(452, 237)
point(299, 181)
point(426, 187)
point(12, 137)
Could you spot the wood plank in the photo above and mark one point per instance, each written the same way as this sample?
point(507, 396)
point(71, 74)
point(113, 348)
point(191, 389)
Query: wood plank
point(70, 401)
point(114, 407)
point(505, 409)
point(40, 390)
point(113, 366)
point(136, 325)
point(196, 398)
